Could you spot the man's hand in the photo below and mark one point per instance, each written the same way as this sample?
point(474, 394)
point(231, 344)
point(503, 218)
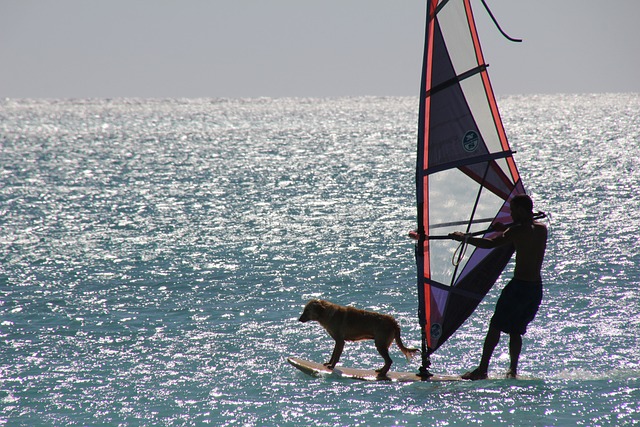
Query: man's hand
point(457, 236)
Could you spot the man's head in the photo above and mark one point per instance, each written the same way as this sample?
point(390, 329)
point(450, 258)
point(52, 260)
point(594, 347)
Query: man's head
point(521, 207)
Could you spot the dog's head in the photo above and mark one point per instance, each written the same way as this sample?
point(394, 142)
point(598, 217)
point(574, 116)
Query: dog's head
point(312, 311)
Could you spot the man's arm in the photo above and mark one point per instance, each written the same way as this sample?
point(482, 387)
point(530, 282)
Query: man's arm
point(483, 242)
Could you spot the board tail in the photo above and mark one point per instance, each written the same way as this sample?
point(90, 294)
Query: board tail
point(409, 353)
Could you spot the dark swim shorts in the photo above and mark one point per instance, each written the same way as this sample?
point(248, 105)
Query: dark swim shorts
point(517, 306)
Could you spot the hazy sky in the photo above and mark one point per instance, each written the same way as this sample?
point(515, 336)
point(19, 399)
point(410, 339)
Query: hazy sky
point(252, 48)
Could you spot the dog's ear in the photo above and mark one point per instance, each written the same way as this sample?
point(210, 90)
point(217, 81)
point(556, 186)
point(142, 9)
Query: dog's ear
point(317, 308)
point(312, 306)
point(326, 308)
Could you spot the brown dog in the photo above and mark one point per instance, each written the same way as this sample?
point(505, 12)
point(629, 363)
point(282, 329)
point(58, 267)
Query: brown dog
point(352, 324)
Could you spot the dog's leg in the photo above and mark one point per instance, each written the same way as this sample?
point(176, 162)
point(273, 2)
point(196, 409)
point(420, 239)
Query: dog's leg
point(383, 349)
point(335, 356)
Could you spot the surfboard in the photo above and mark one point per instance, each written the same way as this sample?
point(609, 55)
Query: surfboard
point(318, 369)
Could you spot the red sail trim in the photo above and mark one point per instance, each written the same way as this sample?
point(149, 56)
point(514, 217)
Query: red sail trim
point(434, 9)
point(425, 156)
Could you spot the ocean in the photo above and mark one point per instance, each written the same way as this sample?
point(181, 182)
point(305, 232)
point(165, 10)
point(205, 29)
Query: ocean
point(156, 255)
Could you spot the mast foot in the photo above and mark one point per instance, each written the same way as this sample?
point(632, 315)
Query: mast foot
point(424, 373)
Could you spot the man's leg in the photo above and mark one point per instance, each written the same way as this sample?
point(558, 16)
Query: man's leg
point(490, 343)
point(515, 346)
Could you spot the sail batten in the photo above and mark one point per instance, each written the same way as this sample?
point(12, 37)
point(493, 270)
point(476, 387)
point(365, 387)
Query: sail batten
point(456, 79)
point(465, 172)
point(469, 161)
point(454, 290)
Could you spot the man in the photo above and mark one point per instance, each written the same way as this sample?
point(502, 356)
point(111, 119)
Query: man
point(520, 299)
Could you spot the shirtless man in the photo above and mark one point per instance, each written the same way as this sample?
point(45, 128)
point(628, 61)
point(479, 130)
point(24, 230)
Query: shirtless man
point(520, 299)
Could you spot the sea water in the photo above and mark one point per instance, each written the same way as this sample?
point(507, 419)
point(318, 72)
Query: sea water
point(156, 254)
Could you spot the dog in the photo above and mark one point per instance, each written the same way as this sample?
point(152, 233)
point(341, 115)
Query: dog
point(352, 324)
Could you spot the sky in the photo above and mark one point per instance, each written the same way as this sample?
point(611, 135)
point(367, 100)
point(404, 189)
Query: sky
point(301, 48)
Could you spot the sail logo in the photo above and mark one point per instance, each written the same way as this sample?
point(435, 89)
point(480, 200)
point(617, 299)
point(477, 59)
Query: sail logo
point(470, 141)
point(436, 331)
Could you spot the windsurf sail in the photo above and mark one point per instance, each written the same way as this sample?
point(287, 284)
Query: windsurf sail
point(465, 174)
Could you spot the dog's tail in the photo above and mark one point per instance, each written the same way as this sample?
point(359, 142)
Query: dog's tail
point(409, 353)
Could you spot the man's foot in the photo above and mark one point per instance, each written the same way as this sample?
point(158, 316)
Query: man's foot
point(511, 374)
point(474, 375)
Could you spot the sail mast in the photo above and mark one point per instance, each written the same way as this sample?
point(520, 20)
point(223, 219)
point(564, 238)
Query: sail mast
point(422, 186)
